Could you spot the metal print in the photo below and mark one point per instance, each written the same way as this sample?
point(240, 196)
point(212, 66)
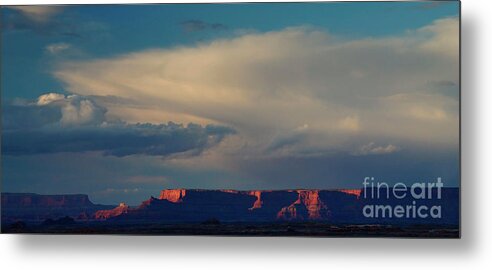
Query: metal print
point(267, 119)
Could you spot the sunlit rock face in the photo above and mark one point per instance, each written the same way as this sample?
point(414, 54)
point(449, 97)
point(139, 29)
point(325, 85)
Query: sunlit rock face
point(355, 192)
point(233, 205)
point(308, 206)
point(341, 206)
point(258, 203)
point(105, 214)
point(268, 203)
point(173, 195)
point(193, 205)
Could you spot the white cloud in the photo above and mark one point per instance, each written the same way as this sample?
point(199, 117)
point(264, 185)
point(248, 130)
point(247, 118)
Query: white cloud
point(373, 149)
point(266, 85)
point(444, 39)
point(350, 123)
point(39, 13)
point(49, 98)
point(56, 48)
point(80, 112)
point(75, 110)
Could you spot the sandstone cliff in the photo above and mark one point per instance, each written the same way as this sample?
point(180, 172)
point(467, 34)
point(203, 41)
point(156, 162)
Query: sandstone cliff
point(34, 207)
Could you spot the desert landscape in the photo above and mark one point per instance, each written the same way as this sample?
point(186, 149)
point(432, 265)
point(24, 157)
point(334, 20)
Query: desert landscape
point(223, 212)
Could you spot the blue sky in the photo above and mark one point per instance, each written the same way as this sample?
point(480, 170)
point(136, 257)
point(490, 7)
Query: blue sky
point(313, 95)
point(110, 30)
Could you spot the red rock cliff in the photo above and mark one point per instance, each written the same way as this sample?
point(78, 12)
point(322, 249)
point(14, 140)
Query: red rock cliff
point(258, 202)
point(105, 214)
point(34, 207)
point(173, 195)
point(307, 201)
point(355, 192)
point(36, 200)
point(301, 204)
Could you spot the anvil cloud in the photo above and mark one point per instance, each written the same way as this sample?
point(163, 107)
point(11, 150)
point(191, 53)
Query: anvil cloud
point(296, 91)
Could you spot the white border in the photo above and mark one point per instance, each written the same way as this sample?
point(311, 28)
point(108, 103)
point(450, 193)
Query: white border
point(473, 251)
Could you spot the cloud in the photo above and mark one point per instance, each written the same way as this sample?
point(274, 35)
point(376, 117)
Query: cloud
point(39, 13)
point(295, 108)
point(38, 19)
point(52, 110)
point(445, 35)
point(49, 98)
point(116, 140)
point(286, 142)
point(81, 111)
point(49, 21)
point(74, 109)
point(56, 48)
point(373, 149)
point(123, 190)
point(58, 123)
point(350, 123)
point(348, 91)
point(198, 25)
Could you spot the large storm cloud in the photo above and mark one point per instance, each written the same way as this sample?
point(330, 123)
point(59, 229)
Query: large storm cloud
point(294, 91)
point(58, 123)
point(292, 108)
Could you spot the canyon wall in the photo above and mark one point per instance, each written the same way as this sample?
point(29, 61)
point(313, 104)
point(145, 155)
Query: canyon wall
point(33, 207)
point(332, 206)
point(342, 206)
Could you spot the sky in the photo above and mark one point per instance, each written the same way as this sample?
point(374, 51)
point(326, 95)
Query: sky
point(119, 102)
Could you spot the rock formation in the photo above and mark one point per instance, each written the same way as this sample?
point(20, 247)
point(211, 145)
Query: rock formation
point(105, 214)
point(34, 207)
point(342, 206)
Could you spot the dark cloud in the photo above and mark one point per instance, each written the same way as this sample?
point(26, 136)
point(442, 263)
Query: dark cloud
point(116, 140)
point(342, 170)
point(198, 25)
point(29, 117)
point(56, 123)
point(286, 141)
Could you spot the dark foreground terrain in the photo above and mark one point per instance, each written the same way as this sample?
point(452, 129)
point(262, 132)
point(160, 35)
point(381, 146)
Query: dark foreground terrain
point(238, 229)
